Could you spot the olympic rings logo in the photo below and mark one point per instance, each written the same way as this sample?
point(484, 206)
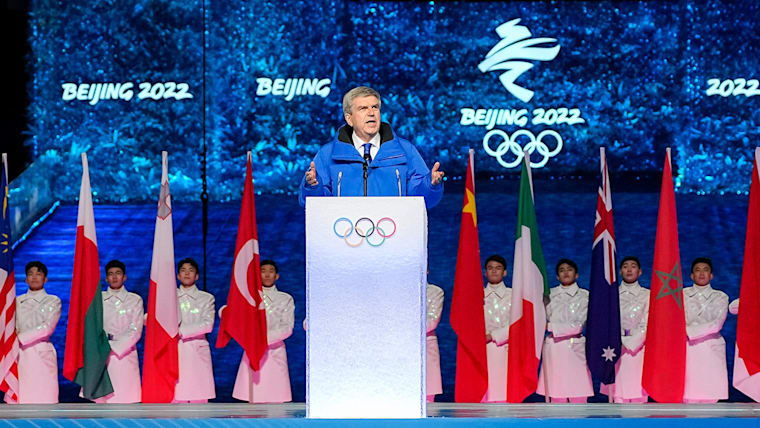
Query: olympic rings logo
point(511, 144)
point(364, 228)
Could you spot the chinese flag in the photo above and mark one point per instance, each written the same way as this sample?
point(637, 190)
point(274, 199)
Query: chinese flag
point(467, 317)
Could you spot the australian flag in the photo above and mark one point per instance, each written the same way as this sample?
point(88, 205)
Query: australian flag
point(603, 343)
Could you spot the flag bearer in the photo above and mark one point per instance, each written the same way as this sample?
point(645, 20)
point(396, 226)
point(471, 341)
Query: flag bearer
point(271, 384)
point(634, 314)
point(564, 375)
point(37, 314)
point(196, 315)
point(123, 322)
point(496, 306)
point(706, 309)
point(433, 354)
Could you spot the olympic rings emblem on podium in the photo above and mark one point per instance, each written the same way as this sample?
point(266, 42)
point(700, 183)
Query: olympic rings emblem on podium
point(512, 144)
point(365, 229)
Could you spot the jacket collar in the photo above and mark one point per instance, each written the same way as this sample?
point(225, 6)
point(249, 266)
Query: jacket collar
point(705, 290)
point(570, 290)
point(632, 288)
point(37, 295)
point(500, 289)
point(270, 290)
point(191, 291)
point(120, 294)
point(345, 151)
point(345, 132)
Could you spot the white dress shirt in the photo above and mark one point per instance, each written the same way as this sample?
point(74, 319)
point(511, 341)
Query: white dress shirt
point(359, 144)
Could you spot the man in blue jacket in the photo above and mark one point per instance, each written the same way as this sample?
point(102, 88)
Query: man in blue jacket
point(367, 159)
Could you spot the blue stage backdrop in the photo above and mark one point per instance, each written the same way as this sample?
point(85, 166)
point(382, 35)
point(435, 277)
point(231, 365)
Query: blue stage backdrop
point(126, 79)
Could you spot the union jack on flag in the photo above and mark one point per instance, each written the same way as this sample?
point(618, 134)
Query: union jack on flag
point(603, 342)
point(8, 342)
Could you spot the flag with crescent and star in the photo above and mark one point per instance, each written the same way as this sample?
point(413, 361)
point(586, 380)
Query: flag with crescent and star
point(665, 354)
point(747, 356)
point(467, 317)
point(244, 319)
point(161, 362)
point(9, 347)
point(603, 342)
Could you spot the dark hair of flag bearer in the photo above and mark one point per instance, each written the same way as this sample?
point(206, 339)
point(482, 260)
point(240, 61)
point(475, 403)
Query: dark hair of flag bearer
point(187, 272)
point(36, 275)
point(269, 273)
point(496, 269)
point(630, 269)
point(116, 274)
point(701, 271)
point(567, 272)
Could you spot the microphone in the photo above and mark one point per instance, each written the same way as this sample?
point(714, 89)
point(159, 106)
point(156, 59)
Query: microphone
point(340, 178)
point(398, 180)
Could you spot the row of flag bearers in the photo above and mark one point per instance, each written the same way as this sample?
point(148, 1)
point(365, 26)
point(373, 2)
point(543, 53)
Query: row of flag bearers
point(664, 344)
point(104, 326)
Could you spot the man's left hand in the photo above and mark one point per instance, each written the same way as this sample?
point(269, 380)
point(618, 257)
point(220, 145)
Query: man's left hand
point(437, 176)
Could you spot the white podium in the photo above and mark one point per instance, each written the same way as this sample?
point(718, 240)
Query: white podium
point(366, 279)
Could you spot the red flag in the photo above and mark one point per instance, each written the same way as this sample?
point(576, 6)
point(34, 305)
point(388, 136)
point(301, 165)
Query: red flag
point(161, 364)
point(467, 318)
point(665, 356)
point(87, 347)
point(747, 363)
point(8, 341)
point(241, 320)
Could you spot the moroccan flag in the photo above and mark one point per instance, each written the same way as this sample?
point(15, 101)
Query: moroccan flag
point(527, 318)
point(747, 359)
point(665, 357)
point(8, 340)
point(245, 318)
point(603, 343)
point(161, 363)
point(87, 347)
point(467, 318)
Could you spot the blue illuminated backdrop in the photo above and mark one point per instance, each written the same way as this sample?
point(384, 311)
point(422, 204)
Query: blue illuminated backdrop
point(633, 76)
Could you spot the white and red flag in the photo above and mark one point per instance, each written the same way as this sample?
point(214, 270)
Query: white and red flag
point(8, 340)
point(244, 319)
point(747, 355)
point(161, 364)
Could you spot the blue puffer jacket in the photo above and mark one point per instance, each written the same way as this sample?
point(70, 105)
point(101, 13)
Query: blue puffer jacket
point(397, 164)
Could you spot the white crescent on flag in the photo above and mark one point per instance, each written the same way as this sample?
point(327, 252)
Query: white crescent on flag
point(240, 270)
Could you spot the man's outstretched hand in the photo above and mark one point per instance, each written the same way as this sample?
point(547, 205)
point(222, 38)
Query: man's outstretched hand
point(437, 176)
point(311, 175)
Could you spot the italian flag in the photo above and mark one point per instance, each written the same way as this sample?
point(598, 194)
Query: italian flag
point(161, 361)
point(527, 318)
point(87, 347)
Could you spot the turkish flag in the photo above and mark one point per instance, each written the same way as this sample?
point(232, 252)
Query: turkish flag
point(665, 355)
point(245, 319)
point(467, 317)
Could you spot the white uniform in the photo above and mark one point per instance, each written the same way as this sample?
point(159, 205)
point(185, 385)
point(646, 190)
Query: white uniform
point(496, 306)
point(123, 322)
point(706, 372)
point(564, 353)
point(196, 376)
point(37, 315)
point(271, 384)
point(634, 314)
point(433, 364)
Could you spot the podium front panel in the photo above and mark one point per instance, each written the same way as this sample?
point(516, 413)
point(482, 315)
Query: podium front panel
point(366, 262)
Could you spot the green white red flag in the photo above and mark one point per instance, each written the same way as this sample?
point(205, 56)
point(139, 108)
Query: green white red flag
point(527, 319)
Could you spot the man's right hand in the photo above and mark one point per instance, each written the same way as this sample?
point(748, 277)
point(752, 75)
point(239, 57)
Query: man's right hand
point(311, 175)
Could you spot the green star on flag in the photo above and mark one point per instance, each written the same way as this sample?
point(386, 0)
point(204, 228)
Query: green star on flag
point(666, 290)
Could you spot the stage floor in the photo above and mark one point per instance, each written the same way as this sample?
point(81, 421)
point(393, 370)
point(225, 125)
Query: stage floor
point(439, 414)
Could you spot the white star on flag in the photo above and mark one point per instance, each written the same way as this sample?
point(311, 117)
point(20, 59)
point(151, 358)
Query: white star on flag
point(608, 353)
